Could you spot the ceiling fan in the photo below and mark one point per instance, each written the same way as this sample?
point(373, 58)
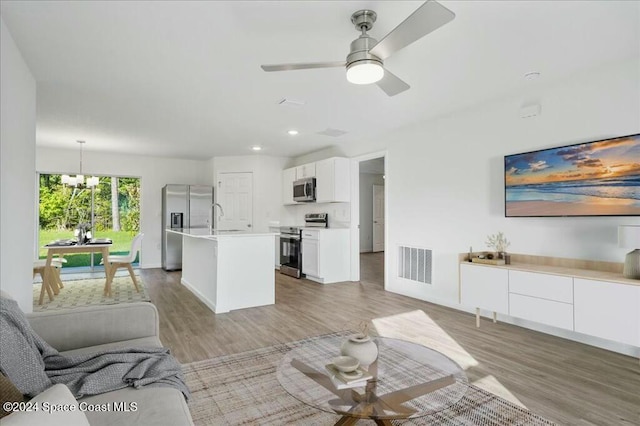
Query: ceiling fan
point(365, 60)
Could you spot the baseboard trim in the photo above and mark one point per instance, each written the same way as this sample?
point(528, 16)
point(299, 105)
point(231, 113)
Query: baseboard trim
point(199, 295)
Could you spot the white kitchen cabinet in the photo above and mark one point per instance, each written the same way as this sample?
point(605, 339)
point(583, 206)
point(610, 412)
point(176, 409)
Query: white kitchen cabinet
point(311, 253)
point(484, 287)
point(306, 171)
point(607, 310)
point(325, 255)
point(332, 180)
point(288, 177)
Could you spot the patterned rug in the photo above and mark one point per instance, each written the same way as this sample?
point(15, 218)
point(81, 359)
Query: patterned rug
point(88, 292)
point(243, 389)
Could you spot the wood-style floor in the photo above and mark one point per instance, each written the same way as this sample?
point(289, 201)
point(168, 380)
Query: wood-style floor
point(567, 382)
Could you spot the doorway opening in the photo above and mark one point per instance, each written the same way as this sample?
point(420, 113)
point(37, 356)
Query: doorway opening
point(111, 209)
point(371, 188)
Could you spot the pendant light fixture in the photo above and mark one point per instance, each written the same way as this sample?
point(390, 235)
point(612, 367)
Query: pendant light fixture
point(78, 180)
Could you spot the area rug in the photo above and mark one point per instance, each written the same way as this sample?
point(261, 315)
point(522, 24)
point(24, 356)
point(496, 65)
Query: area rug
point(88, 292)
point(243, 389)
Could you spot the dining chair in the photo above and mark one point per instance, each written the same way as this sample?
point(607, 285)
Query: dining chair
point(52, 283)
point(125, 261)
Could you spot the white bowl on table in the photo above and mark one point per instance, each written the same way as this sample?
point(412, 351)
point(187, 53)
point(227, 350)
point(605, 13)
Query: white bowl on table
point(346, 364)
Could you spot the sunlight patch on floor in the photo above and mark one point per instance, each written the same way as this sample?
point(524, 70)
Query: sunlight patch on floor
point(417, 326)
point(491, 384)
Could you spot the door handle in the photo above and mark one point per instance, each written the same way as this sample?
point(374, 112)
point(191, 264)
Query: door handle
point(248, 225)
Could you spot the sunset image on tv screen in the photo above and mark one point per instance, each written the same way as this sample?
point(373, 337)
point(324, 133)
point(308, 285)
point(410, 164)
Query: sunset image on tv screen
point(599, 178)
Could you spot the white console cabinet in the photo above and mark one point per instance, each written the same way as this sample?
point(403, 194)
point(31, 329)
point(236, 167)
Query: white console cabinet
point(608, 310)
point(543, 298)
point(593, 302)
point(484, 288)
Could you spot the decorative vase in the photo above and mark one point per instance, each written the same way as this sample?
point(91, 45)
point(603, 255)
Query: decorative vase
point(360, 347)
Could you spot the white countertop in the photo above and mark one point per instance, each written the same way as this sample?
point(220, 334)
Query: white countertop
point(317, 228)
point(215, 234)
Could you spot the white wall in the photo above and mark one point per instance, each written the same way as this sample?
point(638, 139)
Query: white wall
point(445, 183)
point(367, 180)
point(17, 172)
point(155, 172)
point(267, 185)
point(444, 177)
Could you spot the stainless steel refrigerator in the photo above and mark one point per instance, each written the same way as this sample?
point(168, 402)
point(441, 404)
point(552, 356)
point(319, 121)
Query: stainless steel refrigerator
point(183, 206)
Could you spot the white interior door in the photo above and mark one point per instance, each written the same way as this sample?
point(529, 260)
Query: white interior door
point(235, 195)
point(378, 218)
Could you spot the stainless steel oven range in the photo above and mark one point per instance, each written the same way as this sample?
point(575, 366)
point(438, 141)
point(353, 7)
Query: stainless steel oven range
point(291, 243)
point(290, 255)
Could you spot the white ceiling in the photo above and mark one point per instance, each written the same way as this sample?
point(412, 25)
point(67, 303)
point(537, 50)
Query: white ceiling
point(183, 79)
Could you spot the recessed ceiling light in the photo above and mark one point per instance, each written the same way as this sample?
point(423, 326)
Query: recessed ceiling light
point(293, 132)
point(256, 148)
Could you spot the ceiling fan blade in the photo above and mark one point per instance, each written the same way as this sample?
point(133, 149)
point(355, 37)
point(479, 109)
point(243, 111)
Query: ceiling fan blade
point(310, 65)
point(427, 18)
point(391, 84)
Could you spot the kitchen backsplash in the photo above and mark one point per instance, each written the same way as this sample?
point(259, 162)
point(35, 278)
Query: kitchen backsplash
point(339, 213)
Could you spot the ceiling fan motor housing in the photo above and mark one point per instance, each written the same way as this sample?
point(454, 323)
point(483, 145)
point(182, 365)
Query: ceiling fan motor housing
point(359, 52)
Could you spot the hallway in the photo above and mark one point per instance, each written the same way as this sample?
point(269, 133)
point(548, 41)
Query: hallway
point(372, 268)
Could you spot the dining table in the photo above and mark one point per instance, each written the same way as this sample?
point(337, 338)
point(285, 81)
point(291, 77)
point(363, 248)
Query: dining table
point(63, 249)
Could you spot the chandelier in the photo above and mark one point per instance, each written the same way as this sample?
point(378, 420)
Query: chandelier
point(78, 180)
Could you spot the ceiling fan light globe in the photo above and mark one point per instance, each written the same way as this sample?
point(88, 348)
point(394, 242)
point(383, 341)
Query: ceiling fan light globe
point(365, 72)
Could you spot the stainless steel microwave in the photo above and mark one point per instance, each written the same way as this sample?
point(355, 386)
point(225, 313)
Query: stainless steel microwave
point(304, 190)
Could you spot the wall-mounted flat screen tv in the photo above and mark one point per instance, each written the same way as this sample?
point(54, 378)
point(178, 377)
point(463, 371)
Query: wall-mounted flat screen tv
point(599, 178)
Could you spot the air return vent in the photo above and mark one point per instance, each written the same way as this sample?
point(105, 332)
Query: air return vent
point(291, 103)
point(334, 133)
point(414, 264)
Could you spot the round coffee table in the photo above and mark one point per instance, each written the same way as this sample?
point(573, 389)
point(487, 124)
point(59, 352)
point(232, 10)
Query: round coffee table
point(409, 381)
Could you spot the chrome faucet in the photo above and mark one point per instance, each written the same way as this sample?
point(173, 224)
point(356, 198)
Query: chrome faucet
point(211, 210)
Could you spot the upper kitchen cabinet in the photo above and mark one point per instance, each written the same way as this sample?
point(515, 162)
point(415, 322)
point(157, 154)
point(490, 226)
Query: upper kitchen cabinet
point(333, 180)
point(306, 171)
point(288, 177)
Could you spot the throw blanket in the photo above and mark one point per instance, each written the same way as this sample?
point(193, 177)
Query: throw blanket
point(33, 365)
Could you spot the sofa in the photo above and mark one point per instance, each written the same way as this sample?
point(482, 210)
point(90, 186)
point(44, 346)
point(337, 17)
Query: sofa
point(87, 330)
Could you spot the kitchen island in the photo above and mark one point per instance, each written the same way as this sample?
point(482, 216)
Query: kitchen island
point(228, 270)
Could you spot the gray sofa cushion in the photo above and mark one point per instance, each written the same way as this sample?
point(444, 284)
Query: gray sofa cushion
point(95, 325)
point(56, 395)
point(154, 406)
point(153, 342)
